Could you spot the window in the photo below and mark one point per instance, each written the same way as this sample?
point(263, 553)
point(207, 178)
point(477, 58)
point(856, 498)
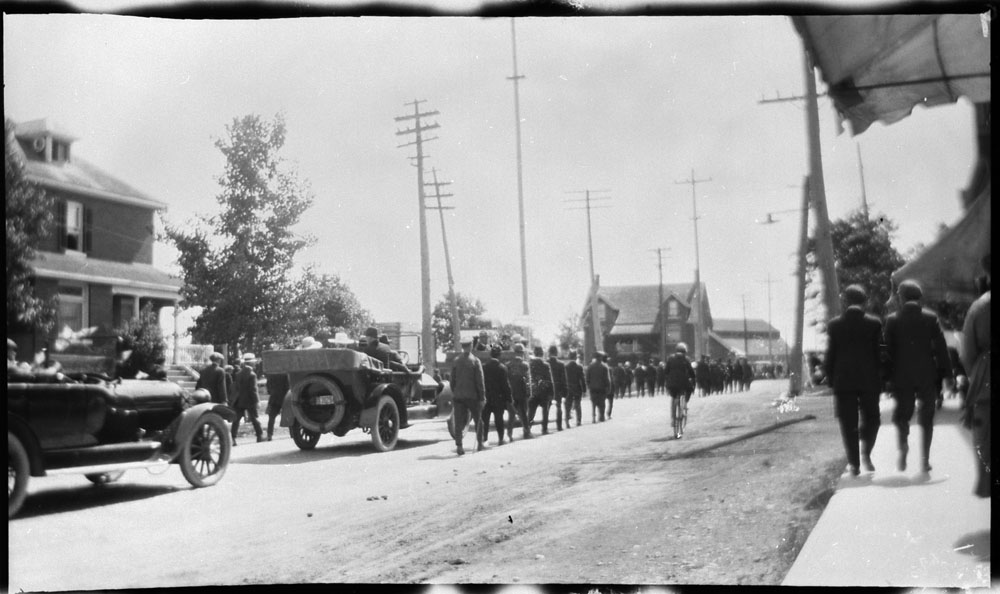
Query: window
point(72, 308)
point(74, 226)
point(672, 310)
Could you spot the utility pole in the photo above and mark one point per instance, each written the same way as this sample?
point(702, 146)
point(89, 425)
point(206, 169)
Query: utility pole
point(746, 337)
point(520, 183)
point(699, 328)
point(795, 364)
point(659, 307)
point(861, 171)
point(770, 328)
point(456, 321)
point(595, 321)
point(428, 347)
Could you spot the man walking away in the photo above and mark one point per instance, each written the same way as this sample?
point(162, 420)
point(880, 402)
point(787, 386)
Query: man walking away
point(919, 360)
point(599, 383)
point(558, 384)
point(246, 400)
point(520, 392)
point(680, 380)
point(277, 388)
point(470, 395)
point(541, 388)
point(497, 384)
point(213, 380)
point(852, 363)
point(576, 385)
point(619, 377)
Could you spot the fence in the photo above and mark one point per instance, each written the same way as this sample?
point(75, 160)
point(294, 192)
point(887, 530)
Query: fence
point(191, 354)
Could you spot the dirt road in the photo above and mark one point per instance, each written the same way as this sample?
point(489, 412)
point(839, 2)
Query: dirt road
point(616, 502)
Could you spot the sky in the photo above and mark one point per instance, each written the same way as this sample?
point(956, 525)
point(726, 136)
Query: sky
point(627, 107)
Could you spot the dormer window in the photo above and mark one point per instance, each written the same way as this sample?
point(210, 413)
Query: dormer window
point(672, 309)
point(74, 224)
point(60, 151)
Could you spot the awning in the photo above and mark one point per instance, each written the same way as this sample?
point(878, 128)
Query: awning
point(878, 67)
point(631, 330)
point(947, 270)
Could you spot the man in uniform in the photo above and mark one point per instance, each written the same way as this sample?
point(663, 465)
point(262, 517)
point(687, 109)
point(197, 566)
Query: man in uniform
point(246, 398)
point(680, 379)
point(640, 379)
point(558, 384)
point(470, 395)
point(520, 391)
point(213, 380)
point(498, 398)
point(619, 377)
point(599, 384)
point(541, 388)
point(852, 363)
point(576, 385)
point(651, 378)
point(919, 360)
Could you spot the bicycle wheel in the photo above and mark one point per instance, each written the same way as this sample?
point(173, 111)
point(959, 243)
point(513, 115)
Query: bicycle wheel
point(678, 418)
point(684, 416)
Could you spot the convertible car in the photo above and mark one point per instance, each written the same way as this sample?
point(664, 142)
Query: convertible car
point(100, 428)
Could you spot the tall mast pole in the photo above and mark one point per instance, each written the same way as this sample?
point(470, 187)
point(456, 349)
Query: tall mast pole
point(595, 322)
point(456, 320)
point(520, 183)
point(861, 171)
point(699, 328)
point(795, 364)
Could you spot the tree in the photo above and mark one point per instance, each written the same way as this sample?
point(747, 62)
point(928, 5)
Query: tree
point(322, 305)
point(29, 216)
point(570, 335)
point(864, 255)
point(470, 313)
point(144, 337)
point(235, 264)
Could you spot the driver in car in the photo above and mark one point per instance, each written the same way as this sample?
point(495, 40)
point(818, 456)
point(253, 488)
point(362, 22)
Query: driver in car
point(382, 352)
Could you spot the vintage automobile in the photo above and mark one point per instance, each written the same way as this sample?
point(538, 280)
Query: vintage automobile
point(100, 428)
point(336, 390)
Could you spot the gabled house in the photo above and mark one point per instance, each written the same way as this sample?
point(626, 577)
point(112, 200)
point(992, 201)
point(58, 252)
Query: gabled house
point(633, 320)
point(98, 260)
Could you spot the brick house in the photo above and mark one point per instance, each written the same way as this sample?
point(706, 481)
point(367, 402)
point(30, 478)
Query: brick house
point(98, 260)
point(632, 320)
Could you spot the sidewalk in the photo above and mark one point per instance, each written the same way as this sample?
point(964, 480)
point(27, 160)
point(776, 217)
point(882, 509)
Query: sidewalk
point(891, 528)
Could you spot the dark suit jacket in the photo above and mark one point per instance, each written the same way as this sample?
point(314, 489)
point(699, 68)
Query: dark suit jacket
point(852, 352)
point(558, 376)
point(245, 385)
point(497, 382)
point(918, 355)
point(213, 379)
point(576, 385)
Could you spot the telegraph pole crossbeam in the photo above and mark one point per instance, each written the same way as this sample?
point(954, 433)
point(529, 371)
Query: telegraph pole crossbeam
point(428, 348)
point(595, 321)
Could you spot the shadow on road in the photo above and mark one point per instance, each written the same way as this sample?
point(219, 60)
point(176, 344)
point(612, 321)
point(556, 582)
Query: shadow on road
point(330, 452)
point(69, 499)
point(976, 544)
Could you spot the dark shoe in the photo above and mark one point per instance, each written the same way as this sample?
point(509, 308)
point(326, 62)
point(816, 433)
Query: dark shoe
point(269, 437)
point(925, 466)
point(866, 463)
point(500, 443)
point(853, 470)
point(234, 443)
point(260, 438)
point(901, 458)
point(461, 451)
point(480, 447)
point(545, 431)
point(528, 435)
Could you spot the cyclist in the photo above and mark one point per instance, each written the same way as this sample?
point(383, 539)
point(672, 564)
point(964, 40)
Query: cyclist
point(680, 383)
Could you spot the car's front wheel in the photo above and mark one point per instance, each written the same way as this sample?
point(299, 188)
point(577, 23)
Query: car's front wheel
point(385, 433)
point(17, 474)
point(205, 454)
point(306, 439)
point(103, 478)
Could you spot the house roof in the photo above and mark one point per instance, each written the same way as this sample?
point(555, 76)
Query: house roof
point(125, 277)
point(75, 175)
point(735, 326)
point(639, 304)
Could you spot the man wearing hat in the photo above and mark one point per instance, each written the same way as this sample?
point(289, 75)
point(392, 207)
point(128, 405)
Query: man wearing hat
point(680, 379)
point(520, 392)
point(558, 384)
point(852, 366)
point(599, 383)
point(246, 400)
point(213, 380)
point(469, 389)
point(16, 371)
point(381, 351)
point(497, 384)
point(918, 358)
point(576, 385)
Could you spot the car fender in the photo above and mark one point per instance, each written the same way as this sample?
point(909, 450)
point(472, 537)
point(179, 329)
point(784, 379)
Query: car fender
point(20, 428)
point(189, 419)
point(367, 418)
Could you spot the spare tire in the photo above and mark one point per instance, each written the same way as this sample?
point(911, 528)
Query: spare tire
point(318, 403)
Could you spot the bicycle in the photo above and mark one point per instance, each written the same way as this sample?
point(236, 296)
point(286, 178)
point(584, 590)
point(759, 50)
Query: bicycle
point(680, 415)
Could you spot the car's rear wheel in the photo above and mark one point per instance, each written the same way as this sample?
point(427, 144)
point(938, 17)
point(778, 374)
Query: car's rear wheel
point(103, 478)
point(205, 455)
point(17, 474)
point(385, 432)
point(318, 403)
point(306, 439)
